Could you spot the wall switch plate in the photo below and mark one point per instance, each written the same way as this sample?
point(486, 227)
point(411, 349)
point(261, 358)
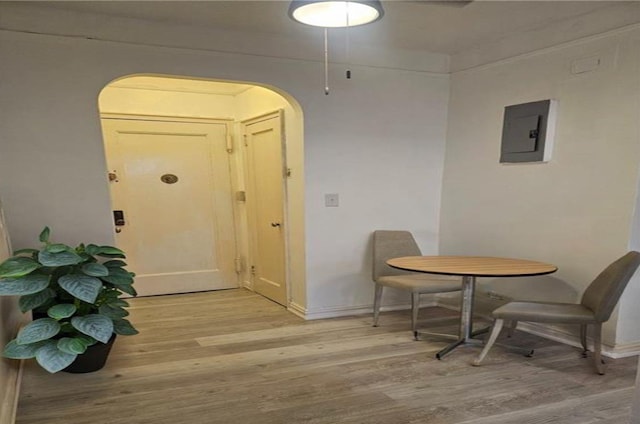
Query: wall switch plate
point(588, 64)
point(331, 200)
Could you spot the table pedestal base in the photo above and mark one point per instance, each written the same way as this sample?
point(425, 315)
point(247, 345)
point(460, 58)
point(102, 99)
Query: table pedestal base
point(463, 342)
point(466, 318)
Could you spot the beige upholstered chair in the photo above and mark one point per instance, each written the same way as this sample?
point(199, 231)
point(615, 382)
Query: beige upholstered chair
point(596, 307)
point(394, 244)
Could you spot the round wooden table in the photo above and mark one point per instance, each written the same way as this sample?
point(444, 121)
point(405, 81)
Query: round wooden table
point(470, 267)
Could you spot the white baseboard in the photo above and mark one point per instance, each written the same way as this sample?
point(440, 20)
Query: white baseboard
point(298, 310)
point(555, 333)
point(12, 380)
point(562, 336)
point(9, 405)
point(342, 311)
point(549, 332)
point(624, 350)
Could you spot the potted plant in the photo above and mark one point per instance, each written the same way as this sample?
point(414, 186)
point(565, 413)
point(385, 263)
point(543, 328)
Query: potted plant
point(74, 295)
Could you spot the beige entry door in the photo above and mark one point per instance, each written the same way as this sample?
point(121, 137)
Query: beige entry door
point(265, 205)
point(171, 182)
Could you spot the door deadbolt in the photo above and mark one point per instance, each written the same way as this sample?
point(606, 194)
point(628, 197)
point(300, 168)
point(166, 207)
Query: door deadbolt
point(118, 218)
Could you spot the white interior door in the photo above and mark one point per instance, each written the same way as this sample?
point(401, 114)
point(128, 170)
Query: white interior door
point(172, 183)
point(265, 205)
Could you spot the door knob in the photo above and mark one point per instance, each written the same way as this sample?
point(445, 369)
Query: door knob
point(275, 224)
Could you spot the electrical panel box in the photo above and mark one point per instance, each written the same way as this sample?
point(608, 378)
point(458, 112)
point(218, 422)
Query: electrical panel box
point(528, 132)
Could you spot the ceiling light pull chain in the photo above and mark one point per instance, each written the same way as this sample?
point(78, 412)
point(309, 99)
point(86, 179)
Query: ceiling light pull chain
point(326, 61)
point(348, 51)
point(315, 13)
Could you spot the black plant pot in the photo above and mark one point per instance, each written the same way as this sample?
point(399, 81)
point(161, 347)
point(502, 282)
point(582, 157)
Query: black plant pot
point(37, 315)
point(93, 359)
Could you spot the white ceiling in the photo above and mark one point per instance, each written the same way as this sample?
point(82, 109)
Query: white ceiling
point(411, 25)
point(182, 85)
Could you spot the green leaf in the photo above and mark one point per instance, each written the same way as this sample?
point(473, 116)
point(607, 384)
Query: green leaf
point(97, 326)
point(124, 327)
point(106, 251)
point(58, 259)
point(119, 302)
point(32, 301)
point(92, 249)
point(71, 345)
point(87, 340)
point(38, 330)
point(115, 263)
point(44, 235)
point(109, 255)
point(85, 258)
point(110, 250)
point(83, 287)
point(118, 276)
point(25, 251)
point(61, 311)
point(53, 359)
point(14, 350)
point(126, 288)
point(67, 328)
point(57, 248)
point(28, 284)
point(113, 312)
point(17, 267)
point(109, 295)
point(95, 270)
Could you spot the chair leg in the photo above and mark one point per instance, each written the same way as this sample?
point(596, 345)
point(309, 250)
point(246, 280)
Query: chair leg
point(583, 339)
point(512, 327)
point(495, 331)
point(415, 309)
point(376, 303)
point(597, 349)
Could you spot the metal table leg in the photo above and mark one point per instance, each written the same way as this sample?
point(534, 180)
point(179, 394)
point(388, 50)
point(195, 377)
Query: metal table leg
point(466, 318)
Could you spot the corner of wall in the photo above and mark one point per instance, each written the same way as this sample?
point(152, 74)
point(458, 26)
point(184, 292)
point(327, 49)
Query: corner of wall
point(10, 370)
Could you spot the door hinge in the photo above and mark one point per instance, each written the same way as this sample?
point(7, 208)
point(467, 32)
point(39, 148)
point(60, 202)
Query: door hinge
point(287, 172)
point(238, 263)
point(229, 143)
point(253, 270)
point(246, 138)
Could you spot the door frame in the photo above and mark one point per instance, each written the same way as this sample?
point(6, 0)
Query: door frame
point(250, 214)
point(233, 169)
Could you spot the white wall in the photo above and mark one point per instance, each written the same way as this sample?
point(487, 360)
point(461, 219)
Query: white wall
point(628, 331)
point(377, 140)
point(575, 211)
point(383, 155)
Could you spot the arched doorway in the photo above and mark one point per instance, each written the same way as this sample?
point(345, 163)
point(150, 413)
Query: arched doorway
point(187, 160)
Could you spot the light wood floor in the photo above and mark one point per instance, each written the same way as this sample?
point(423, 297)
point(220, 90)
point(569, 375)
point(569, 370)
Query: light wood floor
point(235, 357)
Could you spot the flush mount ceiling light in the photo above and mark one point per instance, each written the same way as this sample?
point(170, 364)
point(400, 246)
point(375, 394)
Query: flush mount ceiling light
point(335, 14)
